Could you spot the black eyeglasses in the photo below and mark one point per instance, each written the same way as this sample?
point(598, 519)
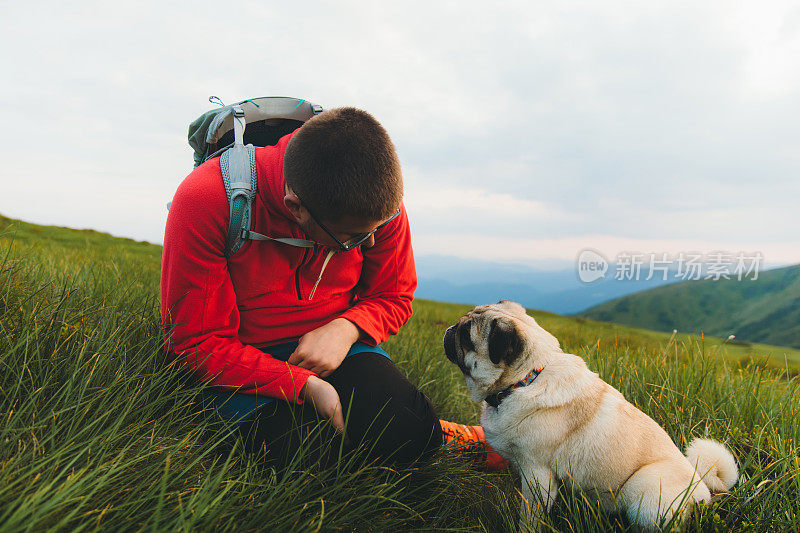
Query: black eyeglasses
point(354, 242)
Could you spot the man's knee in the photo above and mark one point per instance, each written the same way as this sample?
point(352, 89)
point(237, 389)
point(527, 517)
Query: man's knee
point(384, 408)
point(372, 383)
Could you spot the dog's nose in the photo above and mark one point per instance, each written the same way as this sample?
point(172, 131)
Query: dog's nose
point(450, 343)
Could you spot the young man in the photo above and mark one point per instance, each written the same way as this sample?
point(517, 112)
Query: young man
point(282, 328)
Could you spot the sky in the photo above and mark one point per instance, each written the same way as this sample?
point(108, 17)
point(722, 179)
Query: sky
point(527, 131)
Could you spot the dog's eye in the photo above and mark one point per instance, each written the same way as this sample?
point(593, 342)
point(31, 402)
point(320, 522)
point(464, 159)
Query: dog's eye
point(464, 337)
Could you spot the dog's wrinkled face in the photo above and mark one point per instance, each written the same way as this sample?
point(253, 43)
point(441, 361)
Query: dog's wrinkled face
point(493, 344)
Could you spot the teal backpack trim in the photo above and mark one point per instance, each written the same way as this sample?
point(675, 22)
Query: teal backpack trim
point(240, 200)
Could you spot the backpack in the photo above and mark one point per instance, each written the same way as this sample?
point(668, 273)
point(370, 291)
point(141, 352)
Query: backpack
point(222, 131)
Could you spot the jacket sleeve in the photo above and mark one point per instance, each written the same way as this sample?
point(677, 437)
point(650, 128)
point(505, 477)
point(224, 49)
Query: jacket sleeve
point(198, 305)
point(386, 287)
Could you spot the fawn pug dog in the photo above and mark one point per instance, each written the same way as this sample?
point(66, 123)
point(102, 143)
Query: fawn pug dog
point(554, 419)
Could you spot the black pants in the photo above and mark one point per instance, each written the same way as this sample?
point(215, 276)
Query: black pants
point(387, 417)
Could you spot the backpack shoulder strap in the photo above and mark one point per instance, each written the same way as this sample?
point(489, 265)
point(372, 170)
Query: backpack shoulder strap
point(237, 160)
point(238, 165)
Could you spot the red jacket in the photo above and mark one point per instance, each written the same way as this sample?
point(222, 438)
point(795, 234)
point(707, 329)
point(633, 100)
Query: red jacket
point(218, 311)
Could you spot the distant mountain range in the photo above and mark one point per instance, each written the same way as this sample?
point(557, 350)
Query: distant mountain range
point(765, 310)
point(469, 281)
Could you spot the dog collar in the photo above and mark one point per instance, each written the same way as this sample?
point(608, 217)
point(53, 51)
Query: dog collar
point(495, 399)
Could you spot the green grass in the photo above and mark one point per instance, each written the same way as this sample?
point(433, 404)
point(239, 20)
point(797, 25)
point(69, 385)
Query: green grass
point(96, 432)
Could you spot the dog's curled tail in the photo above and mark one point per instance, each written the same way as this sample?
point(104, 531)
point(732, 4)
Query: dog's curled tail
point(714, 463)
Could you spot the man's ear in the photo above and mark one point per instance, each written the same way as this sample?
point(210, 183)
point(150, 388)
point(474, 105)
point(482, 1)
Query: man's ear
point(505, 341)
point(293, 204)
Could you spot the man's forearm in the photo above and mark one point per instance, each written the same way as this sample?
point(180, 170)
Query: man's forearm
point(348, 329)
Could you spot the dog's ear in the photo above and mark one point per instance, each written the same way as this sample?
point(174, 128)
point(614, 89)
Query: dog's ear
point(505, 341)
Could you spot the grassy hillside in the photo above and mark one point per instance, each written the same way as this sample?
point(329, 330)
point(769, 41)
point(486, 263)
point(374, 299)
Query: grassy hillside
point(96, 432)
point(766, 310)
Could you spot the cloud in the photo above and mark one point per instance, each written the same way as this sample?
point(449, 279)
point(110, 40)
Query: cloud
point(553, 121)
point(475, 201)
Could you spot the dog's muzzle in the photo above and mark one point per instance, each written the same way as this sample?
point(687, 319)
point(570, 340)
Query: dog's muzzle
point(450, 344)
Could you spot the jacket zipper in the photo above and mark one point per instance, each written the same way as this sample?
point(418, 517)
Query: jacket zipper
point(297, 274)
point(321, 271)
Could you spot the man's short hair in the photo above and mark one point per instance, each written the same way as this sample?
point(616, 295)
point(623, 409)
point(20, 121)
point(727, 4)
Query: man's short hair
point(343, 163)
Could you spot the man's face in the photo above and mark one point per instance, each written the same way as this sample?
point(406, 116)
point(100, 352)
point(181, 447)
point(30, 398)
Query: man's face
point(344, 229)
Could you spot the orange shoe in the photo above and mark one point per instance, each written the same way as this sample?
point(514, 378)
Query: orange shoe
point(471, 440)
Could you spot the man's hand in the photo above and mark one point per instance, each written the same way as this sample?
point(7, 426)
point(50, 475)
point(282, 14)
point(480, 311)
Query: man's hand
point(325, 400)
point(322, 350)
